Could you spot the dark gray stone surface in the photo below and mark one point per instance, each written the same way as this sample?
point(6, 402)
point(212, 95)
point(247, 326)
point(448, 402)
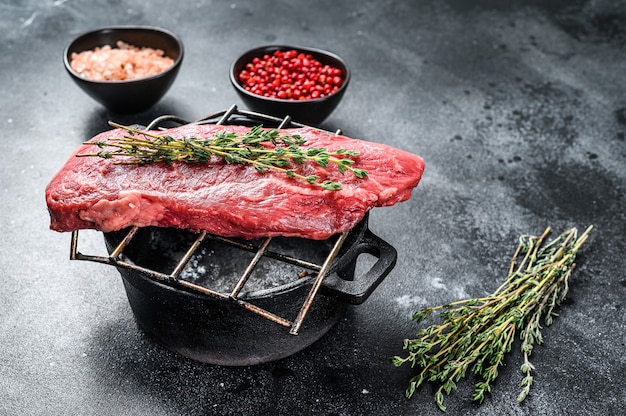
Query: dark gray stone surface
point(519, 110)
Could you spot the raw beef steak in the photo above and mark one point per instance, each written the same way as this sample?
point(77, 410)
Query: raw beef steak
point(228, 199)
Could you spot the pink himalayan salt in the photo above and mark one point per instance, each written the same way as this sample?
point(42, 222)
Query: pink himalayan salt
point(122, 63)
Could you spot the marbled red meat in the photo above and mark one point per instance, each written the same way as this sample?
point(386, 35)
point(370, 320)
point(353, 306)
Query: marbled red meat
point(226, 199)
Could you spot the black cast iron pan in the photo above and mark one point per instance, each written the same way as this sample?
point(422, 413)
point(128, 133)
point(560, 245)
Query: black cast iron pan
point(217, 331)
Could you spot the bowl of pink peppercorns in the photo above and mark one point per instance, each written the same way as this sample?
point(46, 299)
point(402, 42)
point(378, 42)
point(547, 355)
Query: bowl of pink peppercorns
point(304, 83)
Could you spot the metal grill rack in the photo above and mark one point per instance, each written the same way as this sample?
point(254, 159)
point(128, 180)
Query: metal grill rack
point(231, 116)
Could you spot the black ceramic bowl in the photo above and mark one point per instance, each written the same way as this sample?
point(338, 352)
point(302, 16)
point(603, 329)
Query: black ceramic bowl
point(312, 111)
point(133, 95)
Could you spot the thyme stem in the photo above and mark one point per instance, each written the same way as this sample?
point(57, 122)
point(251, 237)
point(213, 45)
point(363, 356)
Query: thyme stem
point(265, 149)
point(479, 332)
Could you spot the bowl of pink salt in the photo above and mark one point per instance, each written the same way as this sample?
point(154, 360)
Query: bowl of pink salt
point(127, 69)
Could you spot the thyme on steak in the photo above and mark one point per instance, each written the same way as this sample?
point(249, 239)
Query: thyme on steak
point(265, 149)
point(476, 333)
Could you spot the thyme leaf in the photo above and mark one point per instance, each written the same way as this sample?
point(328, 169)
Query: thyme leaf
point(476, 333)
point(264, 149)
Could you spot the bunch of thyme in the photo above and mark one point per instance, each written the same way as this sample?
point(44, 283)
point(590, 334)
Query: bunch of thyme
point(265, 149)
point(476, 333)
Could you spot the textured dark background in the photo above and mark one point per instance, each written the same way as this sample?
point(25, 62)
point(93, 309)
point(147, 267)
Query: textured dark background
point(519, 110)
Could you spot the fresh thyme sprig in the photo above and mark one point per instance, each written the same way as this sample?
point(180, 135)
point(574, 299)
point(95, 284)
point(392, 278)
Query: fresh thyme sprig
point(475, 334)
point(265, 149)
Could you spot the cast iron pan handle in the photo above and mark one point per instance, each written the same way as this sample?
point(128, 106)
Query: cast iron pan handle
point(356, 289)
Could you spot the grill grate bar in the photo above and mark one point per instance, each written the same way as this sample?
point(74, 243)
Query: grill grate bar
point(317, 283)
point(268, 253)
point(246, 274)
point(190, 252)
